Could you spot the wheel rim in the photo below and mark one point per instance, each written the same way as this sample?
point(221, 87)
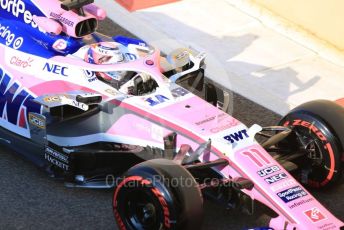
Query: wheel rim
point(314, 153)
point(142, 209)
point(313, 162)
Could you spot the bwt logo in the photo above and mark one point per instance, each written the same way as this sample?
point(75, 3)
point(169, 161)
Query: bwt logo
point(237, 136)
point(90, 75)
point(14, 101)
point(56, 69)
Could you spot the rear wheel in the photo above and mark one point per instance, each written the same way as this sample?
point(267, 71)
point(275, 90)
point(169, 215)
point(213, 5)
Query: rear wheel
point(158, 194)
point(320, 152)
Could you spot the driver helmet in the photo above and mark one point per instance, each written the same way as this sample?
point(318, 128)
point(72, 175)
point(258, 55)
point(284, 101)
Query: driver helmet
point(106, 53)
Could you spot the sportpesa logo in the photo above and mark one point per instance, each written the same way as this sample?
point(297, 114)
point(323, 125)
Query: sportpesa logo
point(18, 9)
point(10, 38)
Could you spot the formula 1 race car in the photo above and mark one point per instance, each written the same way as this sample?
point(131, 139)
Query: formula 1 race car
point(103, 112)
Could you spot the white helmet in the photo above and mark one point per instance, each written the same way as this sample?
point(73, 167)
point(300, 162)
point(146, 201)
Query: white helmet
point(106, 53)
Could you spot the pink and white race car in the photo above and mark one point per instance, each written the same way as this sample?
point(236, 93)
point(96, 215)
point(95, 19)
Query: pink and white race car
point(105, 112)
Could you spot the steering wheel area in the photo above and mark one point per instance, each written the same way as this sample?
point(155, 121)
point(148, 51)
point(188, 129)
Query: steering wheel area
point(140, 84)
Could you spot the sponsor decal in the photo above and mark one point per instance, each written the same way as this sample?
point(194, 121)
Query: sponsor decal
point(205, 121)
point(10, 38)
point(90, 75)
point(156, 100)
point(56, 158)
point(210, 119)
point(179, 92)
point(237, 136)
point(56, 69)
point(66, 100)
point(231, 123)
point(17, 61)
point(111, 91)
point(182, 55)
point(36, 121)
point(18, 9)
point(299, 203)
point(52, 99)
point(131, 57)
point(62, 19)
point(41, 43)
point(60, 45)
point(275, 178)
point(315, 215)
point(292, 194)
point(77, 104)
point(269, 170)
point(328, 226)
point(282, 185)
point(15, 101)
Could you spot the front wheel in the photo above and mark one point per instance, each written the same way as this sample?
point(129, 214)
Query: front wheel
point(316, 141)
point(158, 194)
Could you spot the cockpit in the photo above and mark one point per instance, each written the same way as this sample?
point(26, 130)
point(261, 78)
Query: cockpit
point(138, 69)
point(129, 83)
point(126, 82)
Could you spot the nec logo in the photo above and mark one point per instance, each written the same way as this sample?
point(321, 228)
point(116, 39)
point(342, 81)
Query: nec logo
point(237, 136)
point(276, 178)
point(55, 69)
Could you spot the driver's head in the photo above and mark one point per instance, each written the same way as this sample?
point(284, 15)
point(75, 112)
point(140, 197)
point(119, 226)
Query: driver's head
point(104, 53)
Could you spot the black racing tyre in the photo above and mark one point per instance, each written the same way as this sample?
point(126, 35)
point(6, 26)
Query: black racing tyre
point(158, 194)
point(320, 166)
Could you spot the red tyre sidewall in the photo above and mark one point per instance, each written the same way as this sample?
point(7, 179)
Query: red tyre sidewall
point(158, 191)
point(332, 158)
